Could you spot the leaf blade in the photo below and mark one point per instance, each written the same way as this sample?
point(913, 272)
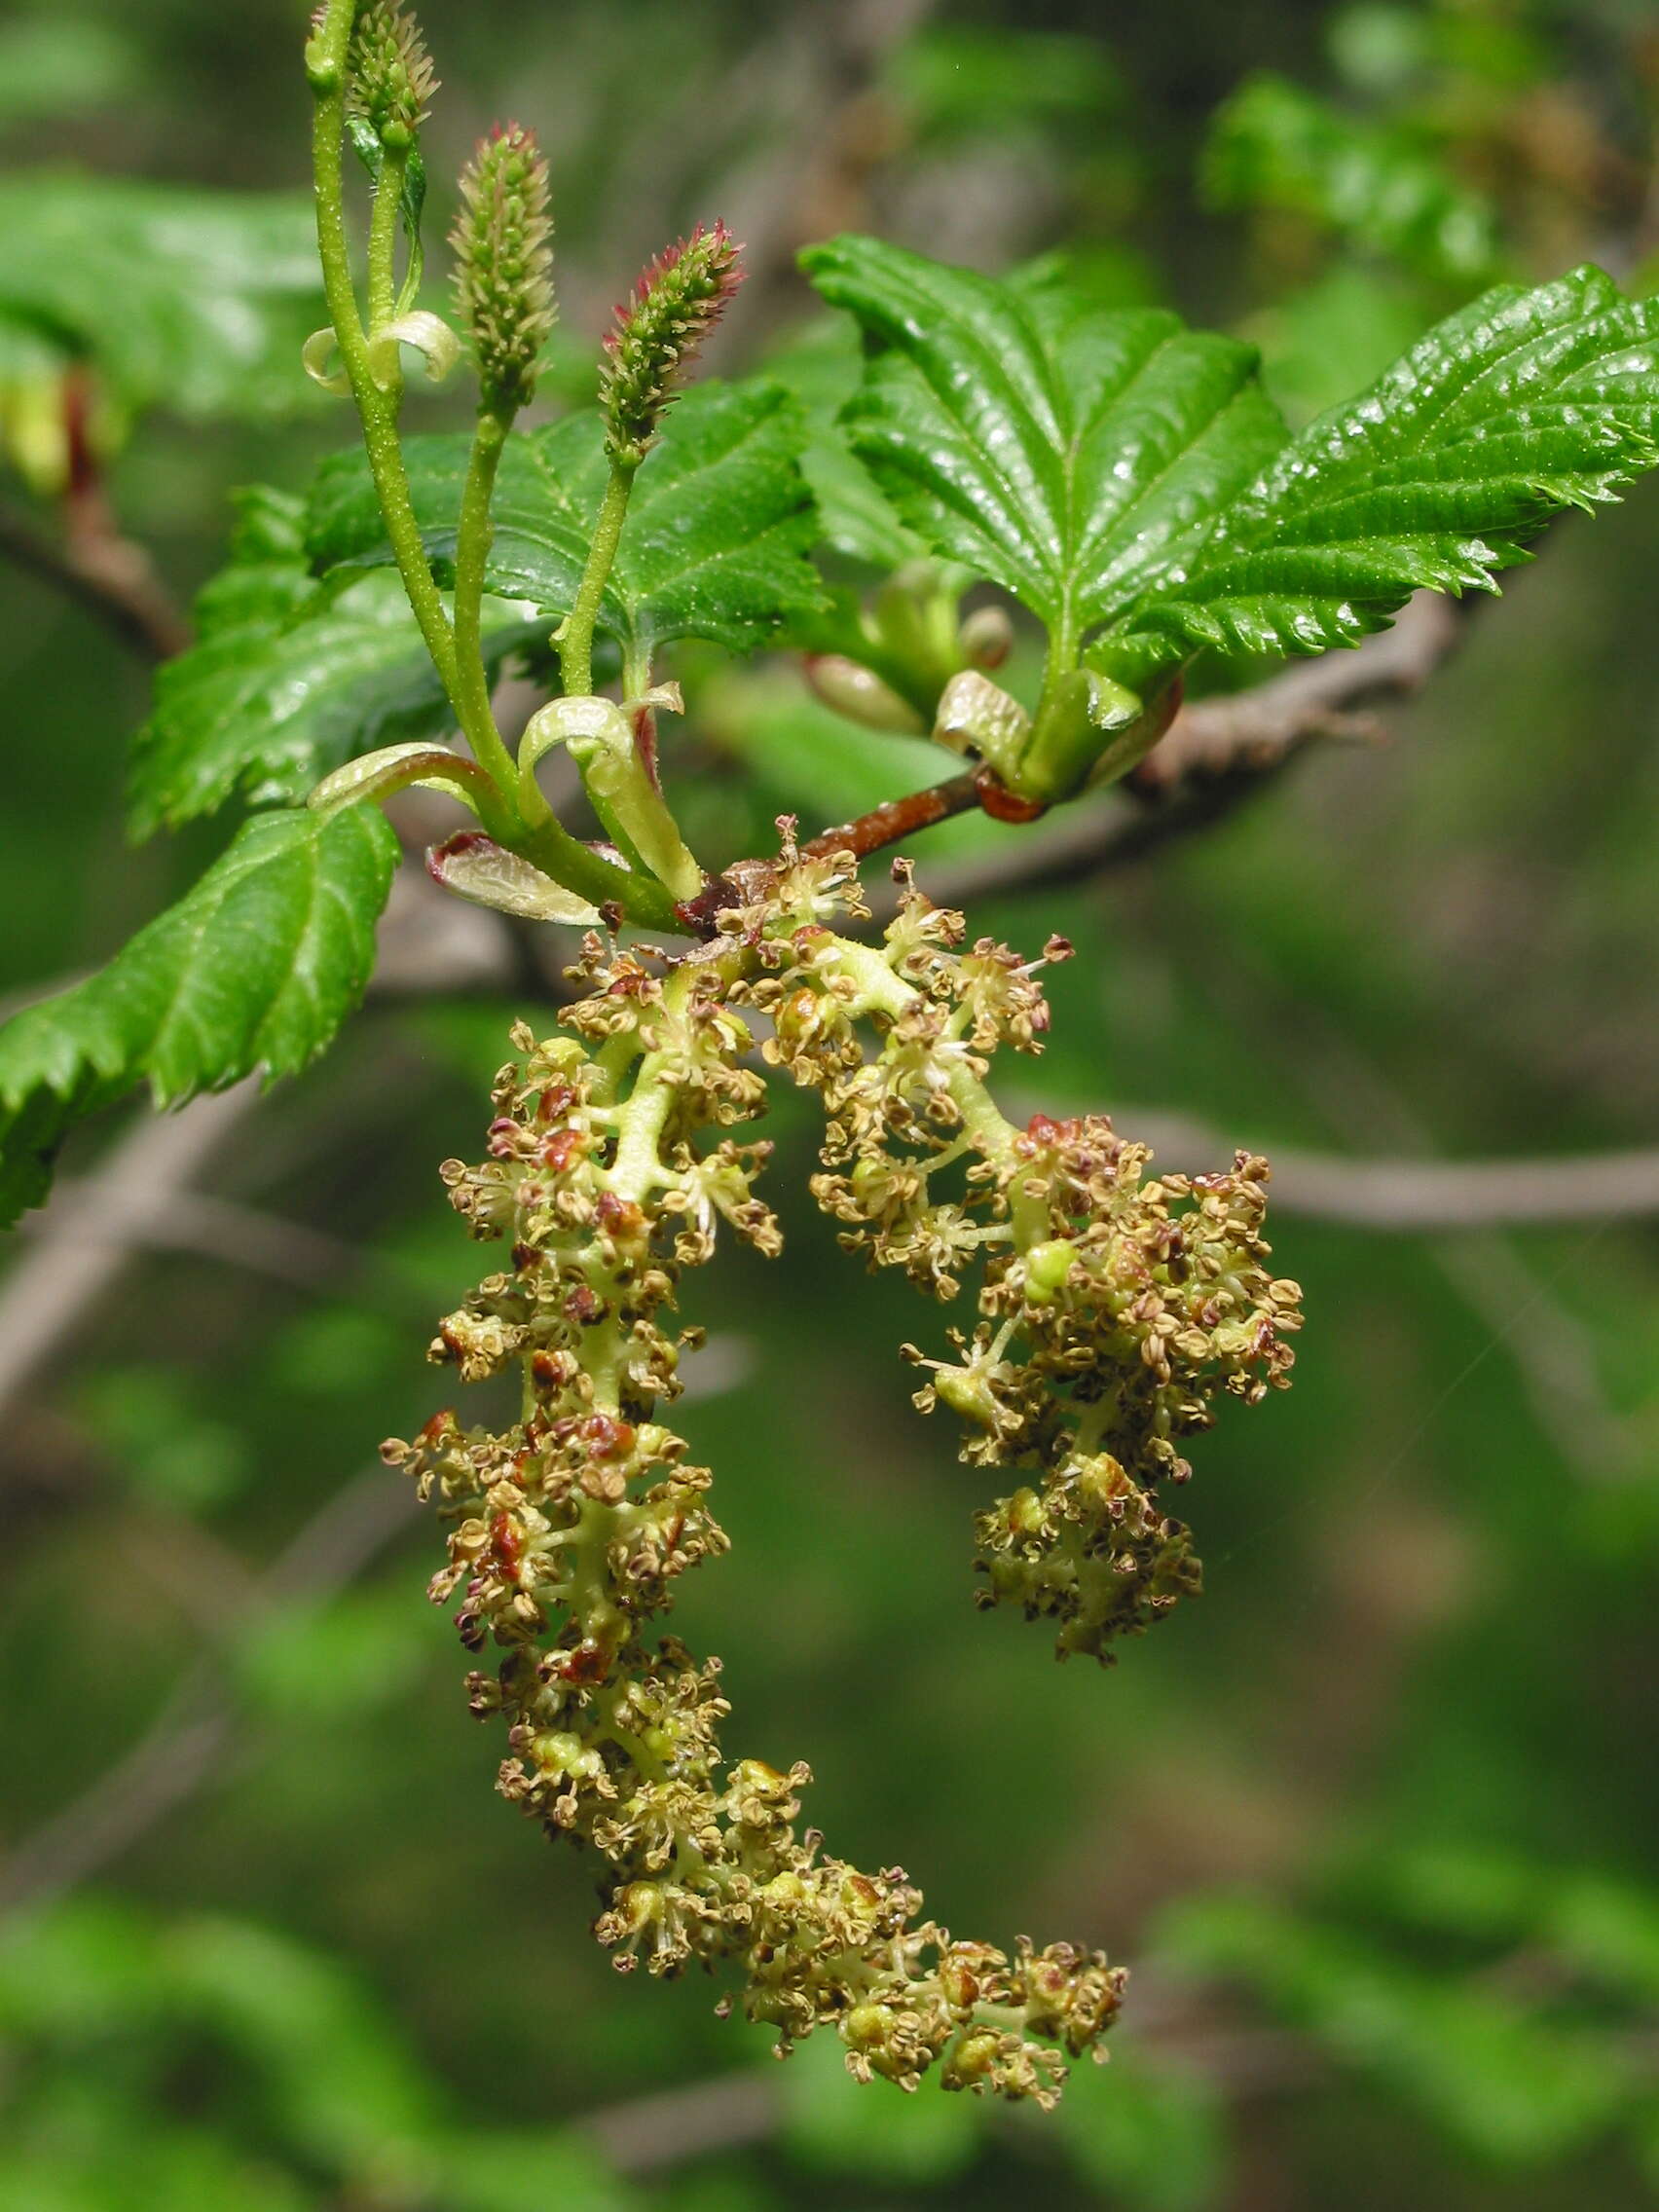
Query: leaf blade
point(719, 526)
point(1522, 404)
point(193, 299)
point(254, 968)
point(1055, 449)
point(289, 679)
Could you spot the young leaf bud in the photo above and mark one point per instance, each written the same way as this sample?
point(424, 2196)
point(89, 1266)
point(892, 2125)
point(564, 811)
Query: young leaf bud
point(674, 306)
point(858, 692)
point(390, 80)
point(504, 264)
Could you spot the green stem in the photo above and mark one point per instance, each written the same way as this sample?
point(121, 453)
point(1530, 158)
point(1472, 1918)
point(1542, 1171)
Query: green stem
point(576, 638)
point(473, 538)
point(326, 58)
point(984, 1124)
point(382, 238)
point(568, 861)
point(548, 845)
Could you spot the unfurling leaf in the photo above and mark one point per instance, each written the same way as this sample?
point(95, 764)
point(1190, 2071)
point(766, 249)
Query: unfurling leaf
point(395, 768)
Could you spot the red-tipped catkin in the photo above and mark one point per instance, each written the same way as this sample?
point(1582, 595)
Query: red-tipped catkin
point(672, 309)
point(504, 264)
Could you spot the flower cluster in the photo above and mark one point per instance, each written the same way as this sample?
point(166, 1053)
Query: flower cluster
point(503, 265)
point(674, 306)
point(390, 80)
point(607, 1174)
point(1113, 1309)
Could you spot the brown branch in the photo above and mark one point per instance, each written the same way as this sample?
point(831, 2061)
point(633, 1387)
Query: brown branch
point(898, 818)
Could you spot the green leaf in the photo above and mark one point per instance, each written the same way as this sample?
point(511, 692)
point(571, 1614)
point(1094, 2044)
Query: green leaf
point(1523, 403)
point(820, 365)
point(289, 678)
point(1062, 452)
point(193, 299)
point(254, 968)
point(717, 532)
point(1274, 145)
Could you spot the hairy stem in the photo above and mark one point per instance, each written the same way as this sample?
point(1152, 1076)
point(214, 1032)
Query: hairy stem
point(576, 638)
point(547, 844)
point(377, 406)
point(472, 542)
point(382, 238)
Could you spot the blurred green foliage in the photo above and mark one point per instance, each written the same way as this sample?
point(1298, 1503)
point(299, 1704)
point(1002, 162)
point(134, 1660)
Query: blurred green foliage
point(1375, 1822)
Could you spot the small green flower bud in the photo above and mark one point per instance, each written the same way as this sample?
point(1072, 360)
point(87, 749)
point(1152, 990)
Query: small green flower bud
point(675, 305)
point(391, 81)
point(1046, 1267)
point(504, 264)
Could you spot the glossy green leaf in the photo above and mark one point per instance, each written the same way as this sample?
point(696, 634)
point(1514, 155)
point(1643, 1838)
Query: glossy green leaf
point(717, 532)
point(179, 296)
point(289, 678)
point(255, 967)
point(820, 366)
point(1523, 404)
point(1274, 145)
point(1062, 452)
